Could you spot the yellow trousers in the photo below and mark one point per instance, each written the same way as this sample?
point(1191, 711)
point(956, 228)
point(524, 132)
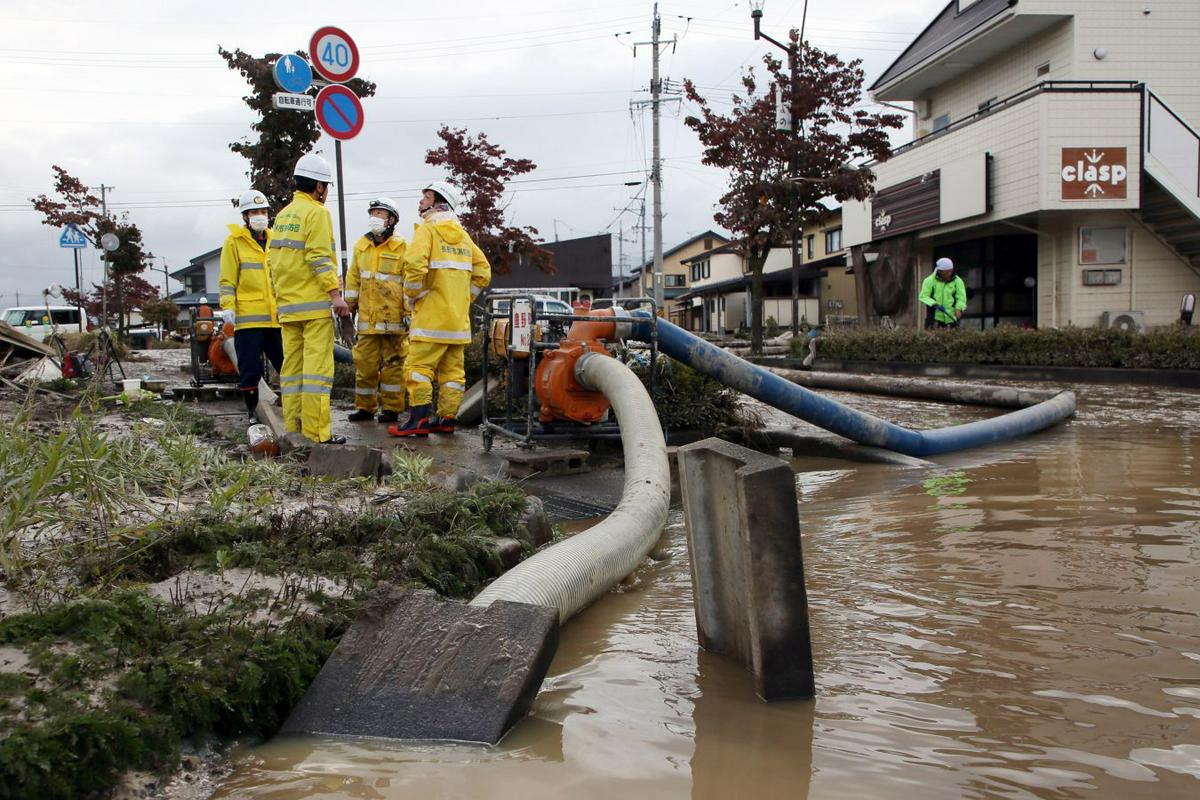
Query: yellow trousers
point(379, 371)
point(430, 361)
point(307, 376)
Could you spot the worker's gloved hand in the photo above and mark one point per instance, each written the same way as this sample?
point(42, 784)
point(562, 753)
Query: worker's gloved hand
point(228, 317)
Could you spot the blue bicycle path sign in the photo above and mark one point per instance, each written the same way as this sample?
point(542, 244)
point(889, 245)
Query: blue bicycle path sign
point(292, 74)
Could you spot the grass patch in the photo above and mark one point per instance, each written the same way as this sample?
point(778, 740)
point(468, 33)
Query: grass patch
point(1159, 348)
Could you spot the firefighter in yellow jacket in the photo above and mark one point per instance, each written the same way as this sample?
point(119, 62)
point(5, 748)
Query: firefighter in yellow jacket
point(306, 288)
point(247, 299)
point(443, 272)
point(374, 286)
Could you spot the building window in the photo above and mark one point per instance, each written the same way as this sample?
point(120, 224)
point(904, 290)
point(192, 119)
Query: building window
point(1102, 245)
point(700, 270)
point(708, 243)
point(809, 245)
point(833, 241)
point(941, 123)
point(675, 281)
point(1043, 69)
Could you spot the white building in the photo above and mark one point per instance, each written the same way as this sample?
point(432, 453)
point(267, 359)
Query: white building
point(1056, 161)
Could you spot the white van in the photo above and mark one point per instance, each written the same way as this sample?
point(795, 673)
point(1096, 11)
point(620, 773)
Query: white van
point(35, 321)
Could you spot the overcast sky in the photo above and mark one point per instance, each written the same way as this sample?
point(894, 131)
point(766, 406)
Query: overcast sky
point(134, 95)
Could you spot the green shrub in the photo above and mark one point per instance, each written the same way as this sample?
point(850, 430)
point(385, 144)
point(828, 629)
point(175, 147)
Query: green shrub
point(1159, 348)
point(771, 328)
point(688, 400)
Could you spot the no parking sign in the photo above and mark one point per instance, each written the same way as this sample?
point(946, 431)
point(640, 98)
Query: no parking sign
point(339, 112)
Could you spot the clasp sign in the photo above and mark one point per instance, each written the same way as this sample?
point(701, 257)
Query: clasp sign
point(522, 326)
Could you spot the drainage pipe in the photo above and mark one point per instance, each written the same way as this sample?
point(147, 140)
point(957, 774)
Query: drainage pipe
point(571, 574)
point(831, 415)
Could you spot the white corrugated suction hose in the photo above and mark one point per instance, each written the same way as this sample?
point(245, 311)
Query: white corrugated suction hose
point(571, 574)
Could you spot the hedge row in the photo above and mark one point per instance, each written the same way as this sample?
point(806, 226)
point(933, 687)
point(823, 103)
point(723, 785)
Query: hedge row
point(1160, 348)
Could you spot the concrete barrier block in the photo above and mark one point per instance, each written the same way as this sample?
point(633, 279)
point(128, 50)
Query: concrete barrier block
point(747, 564)
point(415, 667)
point(345, 461)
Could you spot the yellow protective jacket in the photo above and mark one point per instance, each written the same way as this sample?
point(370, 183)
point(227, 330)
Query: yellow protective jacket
point(246, 280)
point(302, 266)
point(375, 285)
point(443, 271)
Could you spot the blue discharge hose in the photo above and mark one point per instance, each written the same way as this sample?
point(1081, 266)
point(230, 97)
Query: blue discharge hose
point(833, 416)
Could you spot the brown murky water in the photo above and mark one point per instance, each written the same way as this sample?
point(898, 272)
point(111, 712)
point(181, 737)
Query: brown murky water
point(1020, 623)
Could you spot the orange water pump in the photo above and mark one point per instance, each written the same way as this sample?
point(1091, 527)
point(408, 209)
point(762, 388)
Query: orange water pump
point(560, 394)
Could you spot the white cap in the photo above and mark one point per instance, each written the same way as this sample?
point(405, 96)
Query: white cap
point(251, 200)
point(944, 265)
point(448, 191)
point(313, 166)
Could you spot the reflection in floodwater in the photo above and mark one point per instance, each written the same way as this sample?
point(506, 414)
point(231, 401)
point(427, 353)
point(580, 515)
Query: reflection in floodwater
point(1020, 622)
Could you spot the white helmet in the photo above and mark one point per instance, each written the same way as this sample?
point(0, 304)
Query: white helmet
point(252, 199)
point(387, 204)
point(313, 166)
point(944, 265)
point(449, 193)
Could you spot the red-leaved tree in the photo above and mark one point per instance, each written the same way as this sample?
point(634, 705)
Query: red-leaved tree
point(74, 203)
point(482, 170)
point(768, 198)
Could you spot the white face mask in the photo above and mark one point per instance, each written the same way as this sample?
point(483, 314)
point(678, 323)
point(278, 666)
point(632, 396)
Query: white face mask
point(258, 222)
point(375, 224)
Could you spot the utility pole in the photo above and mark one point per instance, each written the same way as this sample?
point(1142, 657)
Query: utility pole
point(642, 232)
point(655, 103)
point(793, 51)
point(104, 190)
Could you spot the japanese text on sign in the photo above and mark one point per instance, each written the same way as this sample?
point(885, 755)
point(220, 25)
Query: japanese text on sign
point(522, 326)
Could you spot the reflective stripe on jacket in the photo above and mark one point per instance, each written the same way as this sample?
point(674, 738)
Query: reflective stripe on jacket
point(245, 282)
point(443, 271)
point(301, 256)
point(949, 295)
point(375, 285)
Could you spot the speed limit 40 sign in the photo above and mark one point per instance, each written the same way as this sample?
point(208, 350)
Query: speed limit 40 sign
point(334, 54)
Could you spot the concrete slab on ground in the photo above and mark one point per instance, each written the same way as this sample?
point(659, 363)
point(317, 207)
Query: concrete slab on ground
point(415, 667)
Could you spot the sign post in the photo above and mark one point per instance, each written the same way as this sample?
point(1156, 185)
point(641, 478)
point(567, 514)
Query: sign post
point(339, 112)
point(74, 239)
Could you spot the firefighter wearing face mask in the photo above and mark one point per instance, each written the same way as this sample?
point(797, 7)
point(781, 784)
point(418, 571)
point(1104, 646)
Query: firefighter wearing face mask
point(306, 290)
point(443, 271)
point(247, 298)
point(375, 288)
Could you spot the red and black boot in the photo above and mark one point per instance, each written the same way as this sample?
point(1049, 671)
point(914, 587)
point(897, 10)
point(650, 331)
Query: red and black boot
point(417, 424)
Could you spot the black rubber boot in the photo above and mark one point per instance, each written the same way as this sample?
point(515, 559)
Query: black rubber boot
point(388, 416)
point(360, 415)
point(251, 398)
point(417, 423)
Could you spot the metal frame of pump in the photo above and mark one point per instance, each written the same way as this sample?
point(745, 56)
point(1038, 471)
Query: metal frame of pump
point(210, 364)
point(557, 407)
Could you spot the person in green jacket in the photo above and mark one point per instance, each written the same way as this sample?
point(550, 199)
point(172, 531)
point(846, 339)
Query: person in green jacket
point(944, 295)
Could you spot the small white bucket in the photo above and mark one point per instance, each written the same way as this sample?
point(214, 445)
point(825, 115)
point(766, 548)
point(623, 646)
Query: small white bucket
point(131, 384)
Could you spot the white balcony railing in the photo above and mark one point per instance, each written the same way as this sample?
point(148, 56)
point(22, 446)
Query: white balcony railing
point(1174, 143)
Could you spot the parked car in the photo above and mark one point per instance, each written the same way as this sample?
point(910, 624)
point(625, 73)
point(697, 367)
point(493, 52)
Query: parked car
point(545, 305)
point(37, 321)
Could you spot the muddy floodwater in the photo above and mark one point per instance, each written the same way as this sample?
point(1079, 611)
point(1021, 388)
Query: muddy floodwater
point(1021, 622)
